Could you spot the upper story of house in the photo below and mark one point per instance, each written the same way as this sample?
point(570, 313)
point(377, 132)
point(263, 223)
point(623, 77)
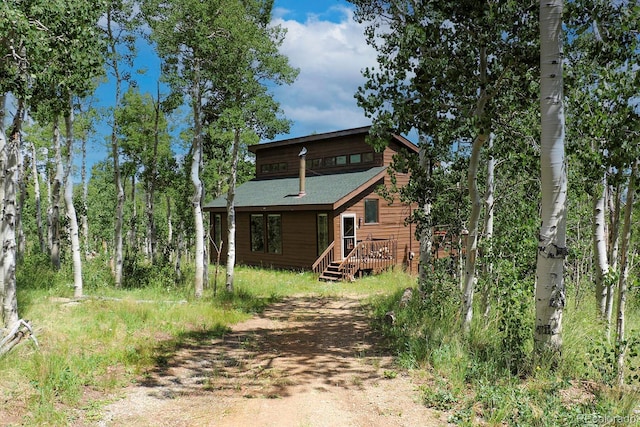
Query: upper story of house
point(326, 153)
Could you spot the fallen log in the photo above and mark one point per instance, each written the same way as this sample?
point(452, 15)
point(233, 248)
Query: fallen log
point(20, 331)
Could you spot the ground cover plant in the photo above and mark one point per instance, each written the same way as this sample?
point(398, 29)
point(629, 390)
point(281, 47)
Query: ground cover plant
point(91, 348)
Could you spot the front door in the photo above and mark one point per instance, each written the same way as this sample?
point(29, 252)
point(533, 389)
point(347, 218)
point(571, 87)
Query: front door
point(348, 233)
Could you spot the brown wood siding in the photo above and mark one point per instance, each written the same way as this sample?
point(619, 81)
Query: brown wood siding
point(299, 247)
point(391, 224)
point(353, 144)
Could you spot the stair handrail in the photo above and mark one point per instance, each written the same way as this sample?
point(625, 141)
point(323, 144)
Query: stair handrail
point(324, 259)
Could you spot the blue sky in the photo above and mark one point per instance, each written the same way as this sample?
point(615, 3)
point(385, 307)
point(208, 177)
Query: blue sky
point(323, 41)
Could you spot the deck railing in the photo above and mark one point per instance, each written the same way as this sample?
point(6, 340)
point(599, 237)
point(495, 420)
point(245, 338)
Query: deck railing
point(374, 255)
point(324, 259)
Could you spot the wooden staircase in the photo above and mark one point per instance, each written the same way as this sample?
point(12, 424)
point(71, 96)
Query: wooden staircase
point(332, 273)
point(369, 255)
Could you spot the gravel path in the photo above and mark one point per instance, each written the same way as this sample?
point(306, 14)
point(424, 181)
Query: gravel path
point(305, 361)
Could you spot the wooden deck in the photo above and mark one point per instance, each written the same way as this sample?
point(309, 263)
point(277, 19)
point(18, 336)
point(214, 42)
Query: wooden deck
point(368, 256)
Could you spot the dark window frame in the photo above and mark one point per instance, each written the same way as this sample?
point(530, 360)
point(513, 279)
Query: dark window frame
point(261, 237)
point(371, 216)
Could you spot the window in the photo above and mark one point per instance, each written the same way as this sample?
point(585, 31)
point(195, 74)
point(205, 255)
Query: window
point(273, 167)
point(316, 163)
point(266, 229)
point(329, 161)
point(367, 157)
point(323, 232)
point(217, 230)
point(355, 158)
point(370, 211)
point(341, 160)
point(257, 233)
point(274, 234)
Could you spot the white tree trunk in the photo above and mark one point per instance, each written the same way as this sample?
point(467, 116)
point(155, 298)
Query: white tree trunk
point(624, 273)
point(71, 210)
point(197, 192)
point(84, 220)
point(552, 250)
point(22, 195)
point(469, 282)
point(169, 227)
point(36, 195)
point(56, 197)
point(615, 201)
point(425, 263)
point(600, 248)
point(488, 226)
point(117, 178)
point(474, 234)
point(10, 183)
point(3, 172)
point(231, 212)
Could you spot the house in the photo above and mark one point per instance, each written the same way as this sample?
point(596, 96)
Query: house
point(313, 205)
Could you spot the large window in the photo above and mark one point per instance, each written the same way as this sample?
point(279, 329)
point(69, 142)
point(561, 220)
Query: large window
point(266, 228)
point(257, 233)
point(274, 234)
point(370, 211)
point(323, 232)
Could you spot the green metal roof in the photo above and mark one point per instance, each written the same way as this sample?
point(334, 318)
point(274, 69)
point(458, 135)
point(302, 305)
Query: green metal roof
point(320, 190)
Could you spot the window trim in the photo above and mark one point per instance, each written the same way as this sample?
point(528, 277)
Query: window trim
point(266, 241)
point(377, 211)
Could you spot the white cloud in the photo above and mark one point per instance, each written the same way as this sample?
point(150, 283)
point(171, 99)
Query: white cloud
point(331, 57)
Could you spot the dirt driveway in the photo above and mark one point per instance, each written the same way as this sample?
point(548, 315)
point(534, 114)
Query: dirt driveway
point(305, 361)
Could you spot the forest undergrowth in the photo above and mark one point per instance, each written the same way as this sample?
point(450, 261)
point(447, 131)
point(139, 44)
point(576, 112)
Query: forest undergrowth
point(93, 347)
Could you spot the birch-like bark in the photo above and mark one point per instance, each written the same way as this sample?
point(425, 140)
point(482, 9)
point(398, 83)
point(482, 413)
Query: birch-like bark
point(84, 219)
point(10, 178)
point(552, 250)
point(600, 248)
point(197, 187)
point(22, 195)
point(615, 201)
point(169, 226)
point(621, 346)
point(56, 197)
point(49, 209)
point(151, 182)
point(488, 226)
point(476, 200)
point(71, 210)
point(3, 172)
point(133, 230)
point(231, 212)
point(37, 197)
point(117, 177)
point(425, 228)
point(474, 233)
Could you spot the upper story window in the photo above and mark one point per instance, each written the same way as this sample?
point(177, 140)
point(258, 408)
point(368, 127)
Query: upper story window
point(273, 167)
point(343, 160)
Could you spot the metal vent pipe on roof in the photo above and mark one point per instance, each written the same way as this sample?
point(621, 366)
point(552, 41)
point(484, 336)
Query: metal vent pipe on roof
point(303, 171)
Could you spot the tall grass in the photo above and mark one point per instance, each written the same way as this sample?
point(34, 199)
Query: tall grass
point(480, 379)
point(112, 336)
point(98, 344)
